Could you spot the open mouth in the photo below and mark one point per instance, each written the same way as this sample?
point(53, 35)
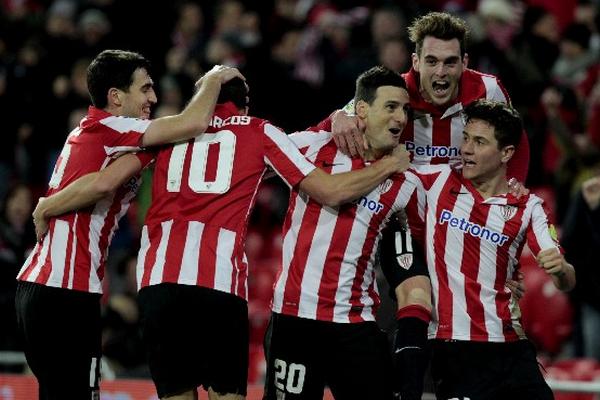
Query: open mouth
point(468, 163)
point(440, 87)
point(395, 131)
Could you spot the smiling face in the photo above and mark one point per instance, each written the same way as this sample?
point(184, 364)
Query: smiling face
point(137, 102)
point(482, 159)
point(385, 118)
point(440, 67)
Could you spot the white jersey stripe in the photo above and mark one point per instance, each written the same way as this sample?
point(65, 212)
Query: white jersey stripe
point(97, 222)
point(58, 252)
point(423, 134)
point(120, 149)
point(289, 242)
point(159, 264)
point(316, 260)
point(354, 250)
point(144, 247)
point(487, 277)
point(290, 149)
point(492, 89)
point(453, 260)
point(42, 258)
point(124, 125)
point(224, 261)
point(189, 263)
point(73, 255)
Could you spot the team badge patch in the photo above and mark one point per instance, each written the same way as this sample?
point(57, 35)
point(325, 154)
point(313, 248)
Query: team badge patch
point(508, 212)
point(385, 186)
point(405, 260)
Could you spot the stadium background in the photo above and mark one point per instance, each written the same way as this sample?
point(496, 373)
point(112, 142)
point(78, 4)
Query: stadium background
point(301, 58)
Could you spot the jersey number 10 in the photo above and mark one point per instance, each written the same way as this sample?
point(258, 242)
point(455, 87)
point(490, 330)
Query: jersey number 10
point(197, 181)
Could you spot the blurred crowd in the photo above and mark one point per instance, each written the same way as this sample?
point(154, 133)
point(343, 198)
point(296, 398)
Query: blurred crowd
point(301, 58)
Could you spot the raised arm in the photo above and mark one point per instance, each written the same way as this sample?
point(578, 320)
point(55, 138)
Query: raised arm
point(196, 116)
point(85, 191)
point(336, 189)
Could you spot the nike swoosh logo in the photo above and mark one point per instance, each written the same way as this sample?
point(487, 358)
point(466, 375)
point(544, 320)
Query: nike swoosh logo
point(327, 165)
point(457, 192)
point(406, 348)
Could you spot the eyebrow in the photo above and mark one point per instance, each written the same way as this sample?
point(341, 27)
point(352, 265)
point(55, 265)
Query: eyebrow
point(451, 59)
point(473, 136)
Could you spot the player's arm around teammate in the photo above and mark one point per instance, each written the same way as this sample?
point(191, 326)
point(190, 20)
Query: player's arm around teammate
point(192, 121)
point(336, 189)
point(195, 117)
point(85, 191)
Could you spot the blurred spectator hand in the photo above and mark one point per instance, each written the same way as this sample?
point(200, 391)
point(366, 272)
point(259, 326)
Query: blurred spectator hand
point(591, 192)
point(551, 99)
point(125, 306)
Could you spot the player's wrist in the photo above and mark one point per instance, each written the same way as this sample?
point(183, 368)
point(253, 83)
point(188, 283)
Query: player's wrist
point(388, 164)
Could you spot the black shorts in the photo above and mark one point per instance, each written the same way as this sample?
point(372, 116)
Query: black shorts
point(194, 336)
point(487, 371)
point(400, 256)
point(304, 355)
point(61, 332)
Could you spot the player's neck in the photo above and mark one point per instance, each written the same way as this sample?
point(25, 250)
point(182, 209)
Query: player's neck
point(372, 154)
point(491, 186)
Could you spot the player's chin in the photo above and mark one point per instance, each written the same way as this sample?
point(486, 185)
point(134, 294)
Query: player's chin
point(468, 173)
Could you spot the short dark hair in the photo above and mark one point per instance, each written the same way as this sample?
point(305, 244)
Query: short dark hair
point(234, 91)
point(368, 82)
point(439, 25)
point(112, 68)
point(507, 123)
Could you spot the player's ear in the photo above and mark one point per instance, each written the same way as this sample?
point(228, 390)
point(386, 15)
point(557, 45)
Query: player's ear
point(465, 61)
point(415, 61)
point(362, 108)
point(114, 97)
point(507, 153)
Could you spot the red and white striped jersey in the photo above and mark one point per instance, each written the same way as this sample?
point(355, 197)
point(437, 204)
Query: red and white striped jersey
point(473, 246)
point(327, 270)
point(73, 253)
point(203, 191)
point(434, 135)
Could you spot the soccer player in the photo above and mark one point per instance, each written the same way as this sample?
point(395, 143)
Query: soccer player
point(439, 85)
point(192, 270)
point(323, 329)
point(58, 293)
point(475, 232)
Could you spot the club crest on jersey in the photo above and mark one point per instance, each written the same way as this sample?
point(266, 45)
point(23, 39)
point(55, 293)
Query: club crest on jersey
point(405, 260)
point(385, 186)
point(508, 212)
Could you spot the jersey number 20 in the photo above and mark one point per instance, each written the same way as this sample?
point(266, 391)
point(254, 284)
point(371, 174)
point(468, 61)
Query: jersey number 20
point(197, 181)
